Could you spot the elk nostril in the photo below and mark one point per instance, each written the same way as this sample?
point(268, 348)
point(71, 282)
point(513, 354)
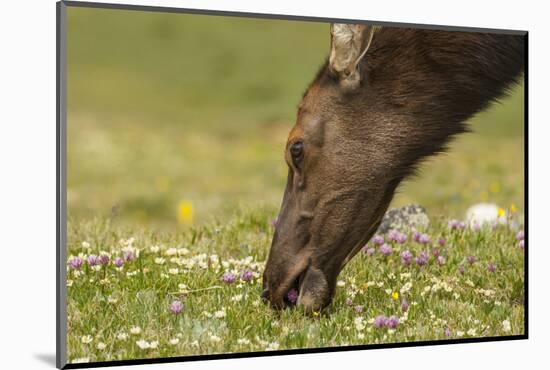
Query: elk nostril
point(265, 294)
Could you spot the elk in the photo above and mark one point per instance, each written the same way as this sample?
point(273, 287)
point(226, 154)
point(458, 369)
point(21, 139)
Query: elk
point(385, 99)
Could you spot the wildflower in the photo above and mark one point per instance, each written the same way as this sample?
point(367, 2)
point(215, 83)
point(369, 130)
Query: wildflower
point(521, 244)
point(380, 321)
point(416, 236)
point(118, 262)
point(122, 336)
point(86, 339)
point(143, 344)
point(229, 278)
point(447, 332)
point(501, 212)
point(219, 314)
point(173, 271)
point(395, 296)
point(215, 338)
point(520, 235)
point(424, 239)
point(185, 212)
point(247, 275)
point(101, 346)
point(385, 249)
point(435, 252)
point(160, 261)
point(378, 240)
point(176, 307)
point(274, 222)
point(404, 305)
point(292, 295)
point(76, 263)
point(243, 341)
point(358, 309)
point(369, 251)
point(85, 244)
point(129, 256)
point(506, 326)
point(104, 260)
point(237, 298)
point(397, 236)
point(135, 330)
point(476, 226)
point(340, 283)
point(174, 341)
point(461, 269)
point(154, 344)
point(456, 224)
point(273, 346)
point(440, 260)
point(92, 260)
point(392, 322)
point(80, 360)
point(359, 323)
point(491, 267)
point(154, 249)
point(406, 257)
point(459, 333)
point(513, 208)
point(422, 258)
point(471, 259)
point(442, 242)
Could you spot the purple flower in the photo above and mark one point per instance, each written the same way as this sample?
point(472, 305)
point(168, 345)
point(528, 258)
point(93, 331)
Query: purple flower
point(447, 332)
point(358, 309)
point(92, 260)
point(456, 225)
point(406, 257)
point(118, 262)
point(422, 258)
point(378, 240)
point(104, 259)
point(424, 239)
point(380, 321)
point(471, 259)
point(176, 307)
point(476, 226)
point(392, 322)
point(292, 295)
point(349, 301)
point(246, 275)
point(435, 252)
point(442, 242)
point(521, 244)
point(385, 249)
point(229, 278)
point(129, 256)
point(440, 260)
point(274, 222)
point(520, 235)
point(369, 251)
point(76, 263)
point(416, 236)
point(404, 305)
point(461, 269)
point(397, 236)
point(491, 267)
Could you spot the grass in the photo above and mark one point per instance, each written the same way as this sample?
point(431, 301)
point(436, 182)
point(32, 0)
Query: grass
point(105, 304)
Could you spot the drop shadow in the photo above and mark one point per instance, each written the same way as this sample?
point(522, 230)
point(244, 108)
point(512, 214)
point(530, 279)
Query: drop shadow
point(47, 358)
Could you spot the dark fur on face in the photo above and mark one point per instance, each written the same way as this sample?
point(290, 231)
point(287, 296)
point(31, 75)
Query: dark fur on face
point(417, 89)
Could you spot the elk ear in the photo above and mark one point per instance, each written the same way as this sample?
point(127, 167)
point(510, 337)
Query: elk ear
point(348, 45)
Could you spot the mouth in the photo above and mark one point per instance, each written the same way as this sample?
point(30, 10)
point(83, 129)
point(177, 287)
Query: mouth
point(293, 294)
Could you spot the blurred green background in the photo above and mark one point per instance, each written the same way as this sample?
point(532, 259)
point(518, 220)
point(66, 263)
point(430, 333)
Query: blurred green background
point(176, 118)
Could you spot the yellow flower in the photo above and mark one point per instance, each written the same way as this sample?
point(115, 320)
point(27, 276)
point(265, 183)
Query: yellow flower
point(501, 212)
point(395, 296)
point(513, 208)
point(315, 313)
point(185, 212)
point(365, 286)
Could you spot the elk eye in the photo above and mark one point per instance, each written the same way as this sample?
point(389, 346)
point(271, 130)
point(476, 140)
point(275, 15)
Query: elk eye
point(296, 151)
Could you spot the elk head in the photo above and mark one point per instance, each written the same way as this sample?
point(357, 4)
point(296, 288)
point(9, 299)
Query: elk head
point(374, 110)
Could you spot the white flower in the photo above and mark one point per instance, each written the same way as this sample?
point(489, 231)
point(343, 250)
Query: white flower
point(195, 343)
point(86, 339)
point(215, 338)
point(69, 283)
point(143, 344)
point(243, 341)
point(160, 261)
point(459, 333)
point(171, 252)
point(112, 300)
point(154, 344)
point(361, 336)
point(173, 271)
point(273, 346)
point(135, 330)
point(340, 283)
point(101, 346)
point(506, 326)
point(183, 251)
point(471, 332)
point(122, 336)
point(220, 314)
point(85, 244)
point(237, 298)
point(359, 323)
point(154, 249)
point(174, 341)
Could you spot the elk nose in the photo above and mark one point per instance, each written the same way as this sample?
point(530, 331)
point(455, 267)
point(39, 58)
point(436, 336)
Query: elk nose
point(265, 294)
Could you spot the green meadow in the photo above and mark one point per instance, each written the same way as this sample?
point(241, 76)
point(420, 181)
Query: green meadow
point(176, 130)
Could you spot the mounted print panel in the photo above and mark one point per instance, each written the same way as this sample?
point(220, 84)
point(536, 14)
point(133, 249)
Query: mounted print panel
point(241, 185)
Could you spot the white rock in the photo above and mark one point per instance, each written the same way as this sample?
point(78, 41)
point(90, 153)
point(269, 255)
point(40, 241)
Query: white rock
point(484, 213)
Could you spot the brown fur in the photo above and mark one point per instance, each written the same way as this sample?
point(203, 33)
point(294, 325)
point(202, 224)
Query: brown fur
point(417, 89)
